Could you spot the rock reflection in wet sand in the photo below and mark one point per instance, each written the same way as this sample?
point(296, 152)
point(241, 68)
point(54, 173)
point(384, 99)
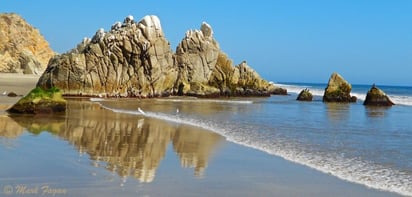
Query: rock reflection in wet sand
point(130, 145)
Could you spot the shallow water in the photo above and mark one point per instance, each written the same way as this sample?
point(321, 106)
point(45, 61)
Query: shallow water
point(108, 147)
point(371, 146)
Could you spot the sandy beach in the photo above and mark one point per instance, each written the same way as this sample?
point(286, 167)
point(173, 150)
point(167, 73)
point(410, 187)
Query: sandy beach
point(91, 151)
point(18, 83)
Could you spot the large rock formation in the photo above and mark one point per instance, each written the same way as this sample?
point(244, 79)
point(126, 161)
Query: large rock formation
point(377, 97)
point(135, 60)
point(132, 59)
point(338, 90)
point(22, 48)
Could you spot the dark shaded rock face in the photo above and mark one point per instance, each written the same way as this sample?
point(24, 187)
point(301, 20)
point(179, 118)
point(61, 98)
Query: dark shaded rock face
point(338, 90)
point(376, 97)
point(305, 95)
point(40, 101)
point(135, 60)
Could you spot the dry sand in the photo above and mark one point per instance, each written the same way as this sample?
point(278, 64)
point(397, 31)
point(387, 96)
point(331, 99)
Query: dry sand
point(18, 83)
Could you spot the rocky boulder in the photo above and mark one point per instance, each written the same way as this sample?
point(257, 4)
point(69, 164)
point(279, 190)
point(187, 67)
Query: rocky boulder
point(135, 60)
point(40, 101)
point(130, 60)
point(376, 97)
point(338, 90)
point(305, 95)
point(22, 48)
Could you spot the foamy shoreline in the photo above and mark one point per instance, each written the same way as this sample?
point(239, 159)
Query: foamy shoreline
point(238, 170)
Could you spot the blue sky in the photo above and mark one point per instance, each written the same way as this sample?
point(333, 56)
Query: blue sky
point(291, 40)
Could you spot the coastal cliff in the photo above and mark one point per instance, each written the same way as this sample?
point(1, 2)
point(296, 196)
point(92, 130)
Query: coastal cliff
point(22, 48)
point(134, 59)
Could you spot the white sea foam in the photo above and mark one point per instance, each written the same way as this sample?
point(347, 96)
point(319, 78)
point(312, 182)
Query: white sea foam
point(351, 169)
point(401, 100)
point(207, 101)
point(297, 89)
point(96, 99)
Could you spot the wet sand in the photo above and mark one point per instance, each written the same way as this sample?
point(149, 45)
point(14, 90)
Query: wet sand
point(90, 151)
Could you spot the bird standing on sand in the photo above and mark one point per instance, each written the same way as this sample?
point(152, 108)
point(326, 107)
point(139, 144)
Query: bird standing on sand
point(140, 110)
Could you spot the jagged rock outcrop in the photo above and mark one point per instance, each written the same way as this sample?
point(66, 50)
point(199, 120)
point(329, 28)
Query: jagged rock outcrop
point(377, 97)
point(204, 70)
point(135, 60)
point(22, 48)
point(39, 101)
point(197, 55)
point(338, 90)
point(305, 95)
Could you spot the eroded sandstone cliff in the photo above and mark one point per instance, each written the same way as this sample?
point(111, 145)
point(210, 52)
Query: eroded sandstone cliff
point(22, 48)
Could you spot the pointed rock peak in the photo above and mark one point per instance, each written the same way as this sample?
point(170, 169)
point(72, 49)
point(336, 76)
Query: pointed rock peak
point(377, 97)
point(206, 30)
point(336, 78)
point(150, 27)
point(129, 18)
point(338, 90)
point(151, 21)
point(98, 36)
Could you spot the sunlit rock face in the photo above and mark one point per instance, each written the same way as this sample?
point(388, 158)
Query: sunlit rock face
point(134, 59)
point(131, 60)
point(22, 48)
point(338, 90)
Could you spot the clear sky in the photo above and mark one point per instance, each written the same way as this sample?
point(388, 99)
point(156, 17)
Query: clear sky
point(366, 41)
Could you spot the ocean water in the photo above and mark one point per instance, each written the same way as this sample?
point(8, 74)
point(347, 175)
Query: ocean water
point(371, 146)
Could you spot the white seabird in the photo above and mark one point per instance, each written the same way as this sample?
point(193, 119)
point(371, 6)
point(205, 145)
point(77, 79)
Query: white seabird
point(140, 110)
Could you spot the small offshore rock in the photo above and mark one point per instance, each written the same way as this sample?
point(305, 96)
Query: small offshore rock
point(305, 95)
point(338, 90)
point(377, 97)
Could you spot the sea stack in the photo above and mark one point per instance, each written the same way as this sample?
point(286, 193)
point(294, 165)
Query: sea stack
point(305, 95)
point(338, 90)
point(134, 59)
point(376, 97)
point(22, 48)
